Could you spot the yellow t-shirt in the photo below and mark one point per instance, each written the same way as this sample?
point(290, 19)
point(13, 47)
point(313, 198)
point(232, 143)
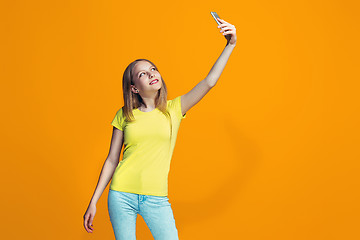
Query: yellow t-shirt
point(148, 150)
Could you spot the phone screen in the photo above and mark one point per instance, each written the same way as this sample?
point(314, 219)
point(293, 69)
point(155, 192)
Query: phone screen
point(215, 16)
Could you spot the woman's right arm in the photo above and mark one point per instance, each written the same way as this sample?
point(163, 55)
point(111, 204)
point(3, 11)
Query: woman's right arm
point(106, 174)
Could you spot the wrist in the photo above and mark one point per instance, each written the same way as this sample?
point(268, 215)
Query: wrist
point(230, 45)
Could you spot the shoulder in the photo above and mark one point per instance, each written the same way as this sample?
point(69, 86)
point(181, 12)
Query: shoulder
point(119, 112)
point(173, 102)
point(174, 106)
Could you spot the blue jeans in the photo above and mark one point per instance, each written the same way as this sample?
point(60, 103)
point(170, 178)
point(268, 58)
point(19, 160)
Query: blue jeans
point(156, 211)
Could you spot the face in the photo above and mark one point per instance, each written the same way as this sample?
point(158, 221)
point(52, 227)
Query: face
point(143, 75)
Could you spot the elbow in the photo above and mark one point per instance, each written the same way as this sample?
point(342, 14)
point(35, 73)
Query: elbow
point(210, 82)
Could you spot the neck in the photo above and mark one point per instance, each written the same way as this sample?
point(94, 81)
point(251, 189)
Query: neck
point(147, 106)
point(149, 102)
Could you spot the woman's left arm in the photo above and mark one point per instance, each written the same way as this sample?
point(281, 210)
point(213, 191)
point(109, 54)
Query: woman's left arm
point(191, 98)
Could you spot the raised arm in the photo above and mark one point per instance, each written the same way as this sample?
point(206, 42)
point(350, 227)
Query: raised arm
point(191, 98)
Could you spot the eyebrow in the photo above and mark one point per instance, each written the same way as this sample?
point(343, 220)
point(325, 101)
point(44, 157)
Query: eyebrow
point(143, 70)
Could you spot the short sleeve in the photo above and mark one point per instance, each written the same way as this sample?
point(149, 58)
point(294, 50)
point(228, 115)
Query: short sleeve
point(176, 105)
point(118, 120)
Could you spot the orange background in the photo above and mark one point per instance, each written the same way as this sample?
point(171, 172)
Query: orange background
point(271, 152)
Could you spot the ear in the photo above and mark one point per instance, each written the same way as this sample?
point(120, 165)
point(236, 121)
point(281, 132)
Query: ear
point(133, 89)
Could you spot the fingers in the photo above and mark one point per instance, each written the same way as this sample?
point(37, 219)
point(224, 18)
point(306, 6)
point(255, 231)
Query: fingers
point(228, 32)
point(225, 28)
point(88, 223)
point(228, 29)
point(221, 20)
point(224, 24)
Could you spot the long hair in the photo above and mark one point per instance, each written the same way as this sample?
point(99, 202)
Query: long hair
point(133, 100)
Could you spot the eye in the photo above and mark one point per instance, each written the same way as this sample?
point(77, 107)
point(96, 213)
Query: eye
point(142, 72)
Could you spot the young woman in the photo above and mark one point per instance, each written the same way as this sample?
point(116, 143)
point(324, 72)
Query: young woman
point(147, 125)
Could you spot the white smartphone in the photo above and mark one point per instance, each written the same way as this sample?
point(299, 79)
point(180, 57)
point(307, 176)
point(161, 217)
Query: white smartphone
point(215, 16)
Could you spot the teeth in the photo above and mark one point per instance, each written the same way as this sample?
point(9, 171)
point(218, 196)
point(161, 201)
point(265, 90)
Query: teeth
point(152, 82)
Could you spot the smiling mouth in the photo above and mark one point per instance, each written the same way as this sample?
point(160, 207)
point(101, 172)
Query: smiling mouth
point(154, 81)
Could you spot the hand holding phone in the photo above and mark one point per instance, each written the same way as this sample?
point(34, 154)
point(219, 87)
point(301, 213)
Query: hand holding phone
point(227, 29)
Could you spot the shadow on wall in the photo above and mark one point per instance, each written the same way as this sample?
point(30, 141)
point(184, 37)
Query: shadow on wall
point(246, 158)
